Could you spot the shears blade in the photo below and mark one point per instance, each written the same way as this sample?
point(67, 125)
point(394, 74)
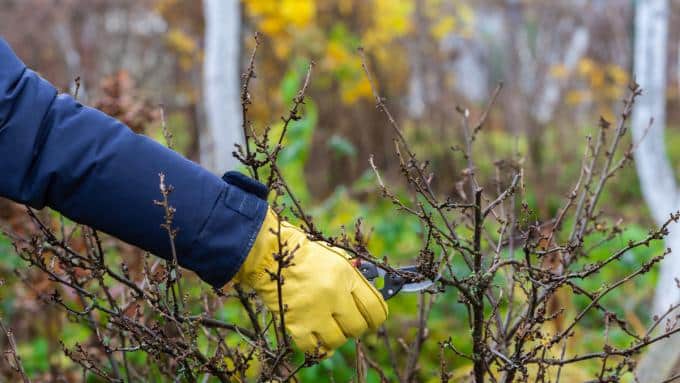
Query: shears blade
point(417, 286)
point(396, 280)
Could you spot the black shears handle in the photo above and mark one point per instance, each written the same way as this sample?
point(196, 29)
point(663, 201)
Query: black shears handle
point(393, 283)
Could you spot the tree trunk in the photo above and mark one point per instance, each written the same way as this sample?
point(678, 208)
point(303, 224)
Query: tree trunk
point(221, 85)
point(655, 172)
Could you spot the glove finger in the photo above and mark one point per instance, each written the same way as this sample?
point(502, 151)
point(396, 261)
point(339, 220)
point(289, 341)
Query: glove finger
point(331, 335)
point(306, 341)
point(314, 342)
point(311, 343)
point(370, 304)
point(351, 321)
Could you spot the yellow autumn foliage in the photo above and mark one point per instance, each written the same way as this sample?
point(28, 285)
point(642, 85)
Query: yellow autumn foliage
point(391, 20)
point(336, 54)
point(181, 42)
point(559, 71)
point(585, 66)
point(300, 13)
point(443, 27)
point(290, 23)
point(577, 96)
point(446, 19)
point(356, 91)
point(597, 78)
point(602, 85)
point(618, 74)
point(275, 17)
point(185, 46)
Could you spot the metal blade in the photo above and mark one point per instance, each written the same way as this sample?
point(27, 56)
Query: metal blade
point(393, 283)
point(417, 286)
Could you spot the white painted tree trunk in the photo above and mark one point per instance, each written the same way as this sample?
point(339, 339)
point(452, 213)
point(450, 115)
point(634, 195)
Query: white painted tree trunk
point(655, 172)
point(221, 85)
point(657, 178)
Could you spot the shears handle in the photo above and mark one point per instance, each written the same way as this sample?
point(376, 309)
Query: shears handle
point(369, 270)
point(393, 283)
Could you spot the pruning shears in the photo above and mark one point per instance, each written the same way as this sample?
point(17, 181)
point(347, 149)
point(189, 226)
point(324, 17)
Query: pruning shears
point(395, 280)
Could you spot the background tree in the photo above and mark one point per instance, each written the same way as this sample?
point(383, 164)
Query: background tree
point(221, 84)
point(657, 178)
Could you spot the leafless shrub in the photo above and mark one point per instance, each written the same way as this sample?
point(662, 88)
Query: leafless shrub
point(505, 269)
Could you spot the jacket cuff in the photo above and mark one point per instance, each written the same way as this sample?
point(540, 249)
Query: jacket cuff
point(229, 233)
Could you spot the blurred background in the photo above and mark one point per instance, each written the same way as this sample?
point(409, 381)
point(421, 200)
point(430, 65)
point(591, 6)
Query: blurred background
point(563, 65)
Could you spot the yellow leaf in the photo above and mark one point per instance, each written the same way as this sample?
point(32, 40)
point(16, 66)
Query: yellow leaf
point(392, 19)
point(271, 25)
point(596, 78)
point(336, 53)
point(356, 91)
point(574, 97)
point(559, 71)
point(181, 42)
point(298, 12)
point(618, 74)
point(443, 27)
point(260, 7)
point(613, 92)
point(585, 66)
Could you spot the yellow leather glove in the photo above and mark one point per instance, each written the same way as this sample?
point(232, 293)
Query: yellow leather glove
point(327, 299)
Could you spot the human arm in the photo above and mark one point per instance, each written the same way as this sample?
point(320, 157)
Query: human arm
point(58, 153)
point(90, 167)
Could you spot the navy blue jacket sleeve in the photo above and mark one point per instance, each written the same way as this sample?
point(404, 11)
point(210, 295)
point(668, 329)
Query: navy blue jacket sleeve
point(90, 167)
